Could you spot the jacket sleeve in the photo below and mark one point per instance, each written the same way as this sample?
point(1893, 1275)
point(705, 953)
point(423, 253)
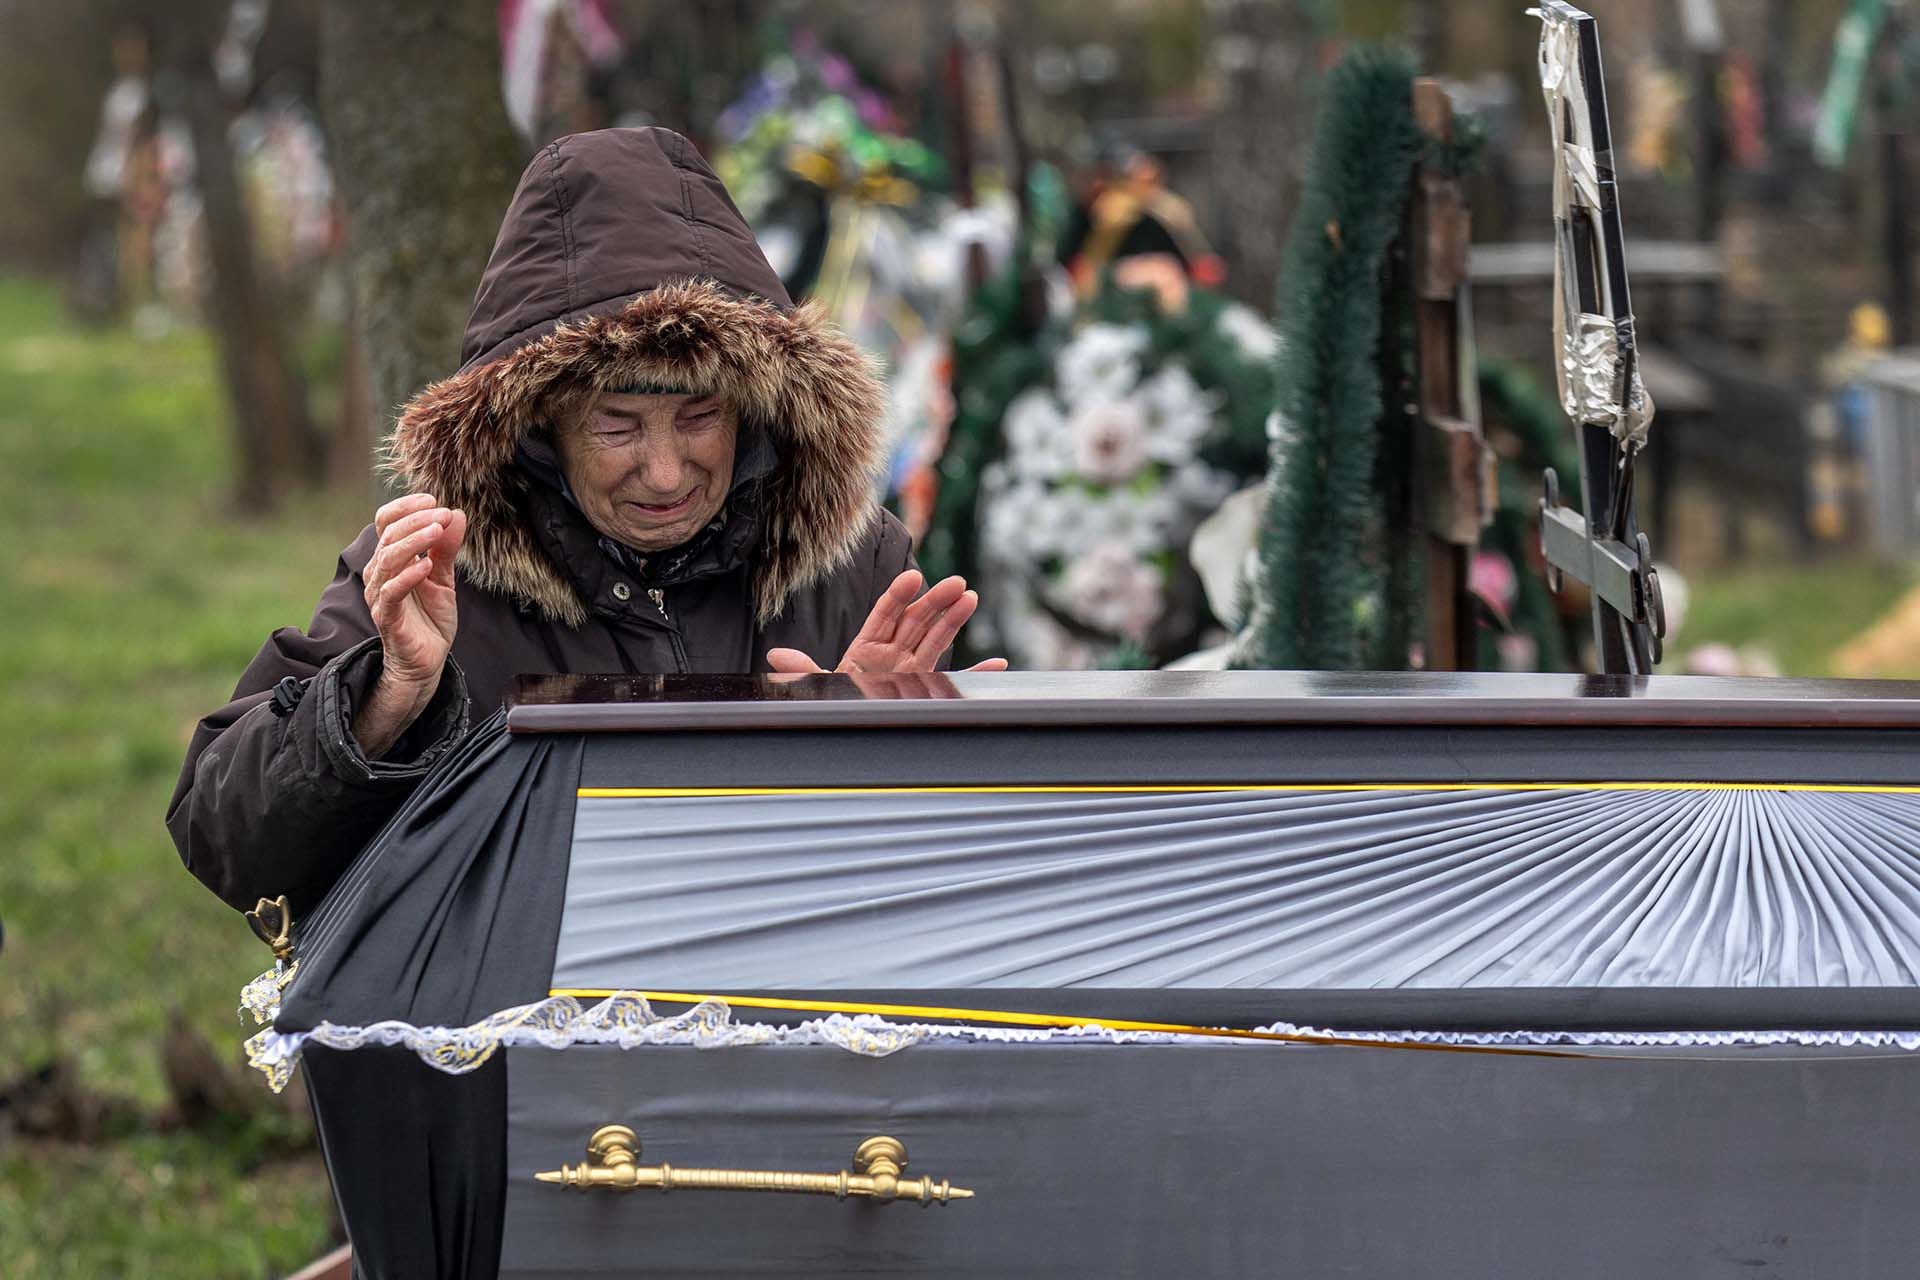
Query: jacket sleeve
point(275, 795)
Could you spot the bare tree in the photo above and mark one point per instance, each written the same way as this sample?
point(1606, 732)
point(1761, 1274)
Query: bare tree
point(278, 447)
point(426, 160)
point(1261, 56)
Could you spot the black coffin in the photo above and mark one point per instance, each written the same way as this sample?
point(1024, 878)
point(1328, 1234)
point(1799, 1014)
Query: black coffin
point(1225, 1160)
point(1178, 974)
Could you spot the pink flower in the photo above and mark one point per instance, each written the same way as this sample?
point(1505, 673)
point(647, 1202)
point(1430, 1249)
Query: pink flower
point(1491, 578)
point(1109, 440)
point(1113, 590)
point(1053, 648)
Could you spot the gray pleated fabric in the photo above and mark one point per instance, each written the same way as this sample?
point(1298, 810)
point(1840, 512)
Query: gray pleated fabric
point(1378, 888)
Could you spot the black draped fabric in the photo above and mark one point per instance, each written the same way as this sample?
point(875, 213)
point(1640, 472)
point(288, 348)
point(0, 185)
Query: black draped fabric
point(417, 1158)
point(449, 915)
point(475, 868)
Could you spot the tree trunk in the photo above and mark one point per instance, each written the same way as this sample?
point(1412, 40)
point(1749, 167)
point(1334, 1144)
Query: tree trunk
point(350, 453)
point(1262, 60)
point(687, 61)
point(426, 161)
point(278, 445)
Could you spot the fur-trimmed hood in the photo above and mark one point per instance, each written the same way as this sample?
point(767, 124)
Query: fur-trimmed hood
point(622, 260)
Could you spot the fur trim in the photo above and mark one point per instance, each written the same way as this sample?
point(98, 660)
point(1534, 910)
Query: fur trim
point(813, 390)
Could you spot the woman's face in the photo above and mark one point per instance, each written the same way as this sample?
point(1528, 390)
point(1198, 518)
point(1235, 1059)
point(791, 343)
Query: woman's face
point(650, 470)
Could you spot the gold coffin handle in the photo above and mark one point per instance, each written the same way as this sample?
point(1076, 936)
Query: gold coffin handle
point(613, 1164)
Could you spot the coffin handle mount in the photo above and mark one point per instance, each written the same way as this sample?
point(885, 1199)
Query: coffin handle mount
point(612, 1164)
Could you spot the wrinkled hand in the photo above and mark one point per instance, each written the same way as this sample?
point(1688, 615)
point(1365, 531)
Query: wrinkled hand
point(410, 593)
point(902, 633)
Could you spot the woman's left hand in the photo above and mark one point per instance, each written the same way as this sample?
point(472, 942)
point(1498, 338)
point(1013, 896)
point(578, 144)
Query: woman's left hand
point(902, 633)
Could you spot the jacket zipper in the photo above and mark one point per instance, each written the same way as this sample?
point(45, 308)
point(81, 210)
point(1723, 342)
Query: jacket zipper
point(659, 598)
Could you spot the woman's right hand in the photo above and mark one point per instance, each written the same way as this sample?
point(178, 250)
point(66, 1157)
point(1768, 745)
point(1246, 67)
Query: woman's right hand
point(410, 593)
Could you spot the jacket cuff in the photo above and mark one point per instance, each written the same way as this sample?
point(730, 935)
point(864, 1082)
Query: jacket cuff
point(347, 682)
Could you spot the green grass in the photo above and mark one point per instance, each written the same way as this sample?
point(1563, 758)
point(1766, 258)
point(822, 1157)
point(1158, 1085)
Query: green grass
point(1800, 614)
point(129, 602)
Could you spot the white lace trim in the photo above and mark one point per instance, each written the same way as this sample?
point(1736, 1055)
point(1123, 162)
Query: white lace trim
point(261, 997)
point(625, 1020)
point(1908, 1040)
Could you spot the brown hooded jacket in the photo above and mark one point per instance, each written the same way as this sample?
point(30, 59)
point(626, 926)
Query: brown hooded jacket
point(621, 262)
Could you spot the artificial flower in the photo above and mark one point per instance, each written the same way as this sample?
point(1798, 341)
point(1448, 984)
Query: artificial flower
point(1114, 590)
point(1102, 362)
point(1109, 440)
point(1256, 339)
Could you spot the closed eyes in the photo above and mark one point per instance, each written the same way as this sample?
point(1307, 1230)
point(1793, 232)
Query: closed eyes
point(614, 425)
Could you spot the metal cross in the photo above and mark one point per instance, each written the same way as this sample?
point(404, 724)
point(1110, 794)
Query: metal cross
point(1599, 372)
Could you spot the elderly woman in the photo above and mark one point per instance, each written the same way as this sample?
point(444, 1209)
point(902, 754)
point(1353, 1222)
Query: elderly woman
point(649, 461)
